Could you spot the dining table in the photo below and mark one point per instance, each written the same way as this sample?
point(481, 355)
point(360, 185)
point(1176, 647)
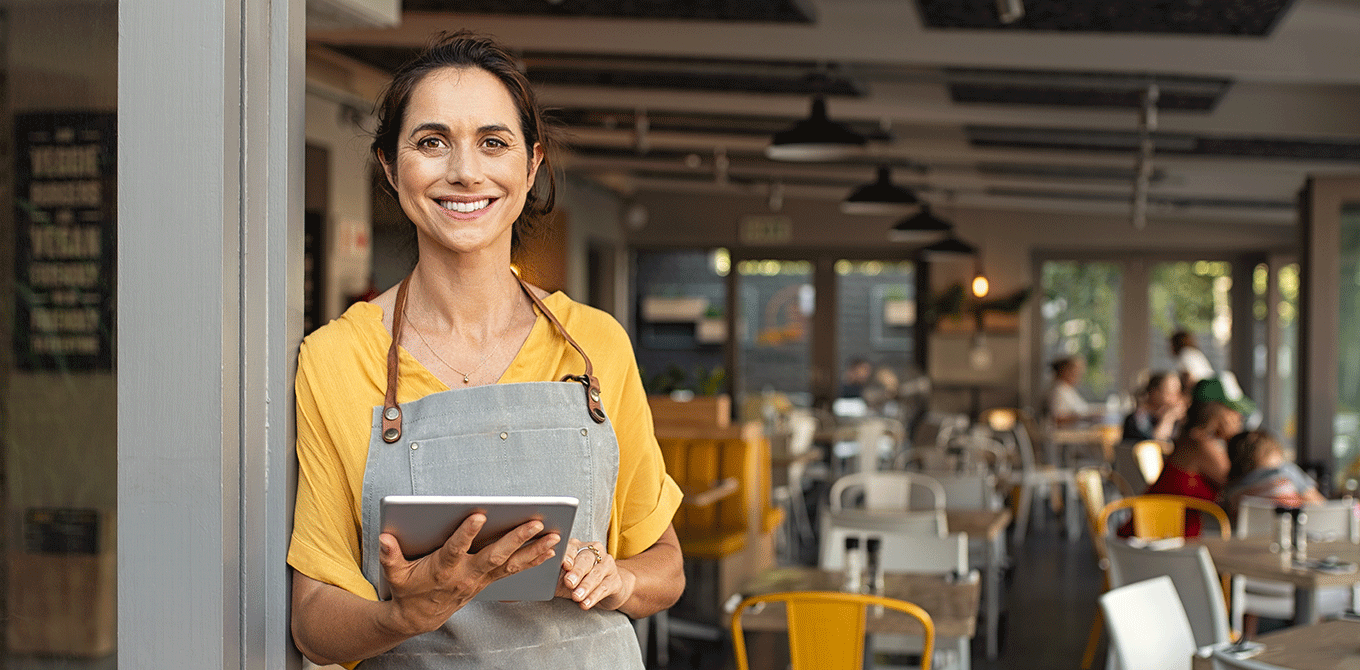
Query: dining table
point(1328, 645)
point(989, 527)
point(1253, 557)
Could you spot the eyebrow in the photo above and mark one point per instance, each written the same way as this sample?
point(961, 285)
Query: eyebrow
point(442, 128)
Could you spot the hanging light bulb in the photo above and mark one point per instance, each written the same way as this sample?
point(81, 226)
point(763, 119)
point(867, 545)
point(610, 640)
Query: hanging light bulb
point(980, 285)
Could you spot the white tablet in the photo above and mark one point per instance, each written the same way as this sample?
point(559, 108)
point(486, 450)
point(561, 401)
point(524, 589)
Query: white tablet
point(422, 524)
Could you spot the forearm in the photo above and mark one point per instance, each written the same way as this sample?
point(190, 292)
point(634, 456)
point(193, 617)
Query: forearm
point(658, 576)
point(331, 625)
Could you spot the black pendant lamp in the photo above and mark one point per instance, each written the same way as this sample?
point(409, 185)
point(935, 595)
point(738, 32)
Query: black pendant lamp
point(950, 248)
point(881, 196)
point(920, 227)
point(816, 138)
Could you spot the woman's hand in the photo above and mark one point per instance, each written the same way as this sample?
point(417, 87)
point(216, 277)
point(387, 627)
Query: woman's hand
point(428, 590)
point(592, 578)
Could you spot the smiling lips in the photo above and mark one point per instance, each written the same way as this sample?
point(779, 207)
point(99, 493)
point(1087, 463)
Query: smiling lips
point(464, 207)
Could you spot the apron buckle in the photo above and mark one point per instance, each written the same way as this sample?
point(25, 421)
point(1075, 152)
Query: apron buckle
point(592, 387)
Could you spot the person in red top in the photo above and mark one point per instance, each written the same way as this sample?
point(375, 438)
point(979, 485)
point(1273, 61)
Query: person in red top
point(1198, 464)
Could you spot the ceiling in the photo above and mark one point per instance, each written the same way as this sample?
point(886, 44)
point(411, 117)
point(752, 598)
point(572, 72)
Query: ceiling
point(1041, 113)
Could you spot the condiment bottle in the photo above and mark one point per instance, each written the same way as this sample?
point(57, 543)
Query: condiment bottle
point(854, 567)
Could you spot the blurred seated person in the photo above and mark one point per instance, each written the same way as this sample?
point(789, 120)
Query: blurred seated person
point(1225, 389)
point(856, 376)
point(1192, 364)
point(1259, 470)
point(880, 393)
point(1063, 404)
point(1161, 405)
point(1198, 464)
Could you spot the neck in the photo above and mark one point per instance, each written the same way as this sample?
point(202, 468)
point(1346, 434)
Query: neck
point(474, 295)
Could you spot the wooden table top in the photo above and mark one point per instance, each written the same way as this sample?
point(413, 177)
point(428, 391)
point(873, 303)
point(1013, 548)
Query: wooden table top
point(978, 523)
point(1330, 645)
point(1251, 557)
point(953, 606)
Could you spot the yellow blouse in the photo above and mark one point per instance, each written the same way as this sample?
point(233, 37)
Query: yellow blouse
point(341, 377)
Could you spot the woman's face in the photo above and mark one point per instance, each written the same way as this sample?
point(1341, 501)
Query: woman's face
point(1166, 393)
point(462, 169)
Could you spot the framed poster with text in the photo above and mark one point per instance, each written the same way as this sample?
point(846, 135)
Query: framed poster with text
point(65, 240)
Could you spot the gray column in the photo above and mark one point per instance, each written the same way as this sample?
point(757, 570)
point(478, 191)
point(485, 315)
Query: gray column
point(209, 263)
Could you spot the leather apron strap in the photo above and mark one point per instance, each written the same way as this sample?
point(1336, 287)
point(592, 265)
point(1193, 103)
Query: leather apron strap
point(391, 414)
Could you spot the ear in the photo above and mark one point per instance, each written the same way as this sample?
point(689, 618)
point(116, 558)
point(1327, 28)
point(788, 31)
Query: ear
point(534, 161)
point(389, 170)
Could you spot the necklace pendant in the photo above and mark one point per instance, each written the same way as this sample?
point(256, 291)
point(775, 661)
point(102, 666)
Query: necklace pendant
point(465, 379)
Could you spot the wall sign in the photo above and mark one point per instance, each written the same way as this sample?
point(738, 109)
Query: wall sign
point(65, 240)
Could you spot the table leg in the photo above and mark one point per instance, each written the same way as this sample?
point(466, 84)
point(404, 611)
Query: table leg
point(1305, 606)
point(993, 593)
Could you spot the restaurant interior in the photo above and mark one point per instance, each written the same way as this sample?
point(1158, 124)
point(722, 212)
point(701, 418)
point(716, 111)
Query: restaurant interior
point(850, 238)
point(900, 276)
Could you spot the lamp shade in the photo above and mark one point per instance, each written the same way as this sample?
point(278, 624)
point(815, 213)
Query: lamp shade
point(880, 196)
point(920, 227)
point(816, 138)
point(950, 248)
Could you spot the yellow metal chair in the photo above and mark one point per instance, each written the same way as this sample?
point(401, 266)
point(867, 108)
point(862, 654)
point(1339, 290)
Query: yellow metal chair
point(1157, 516)
point(1149, 454)
point(1091, 488)
point(826, 628)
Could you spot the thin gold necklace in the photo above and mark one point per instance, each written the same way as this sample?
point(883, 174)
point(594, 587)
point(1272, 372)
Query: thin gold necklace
point(466, 375)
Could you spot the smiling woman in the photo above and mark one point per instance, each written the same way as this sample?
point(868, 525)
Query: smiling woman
point(499, 389)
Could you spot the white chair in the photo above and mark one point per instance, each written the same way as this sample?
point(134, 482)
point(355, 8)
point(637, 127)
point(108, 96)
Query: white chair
point(1190, 569)
point(1034, 478)
point(886, 490)
point(796, 438)
point(1273, 599)
point(1147, 626)
point(906, 552)
point(962, 491)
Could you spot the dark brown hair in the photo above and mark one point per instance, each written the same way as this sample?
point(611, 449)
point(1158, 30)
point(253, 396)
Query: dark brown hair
point(465, 50)
point(1246, 449)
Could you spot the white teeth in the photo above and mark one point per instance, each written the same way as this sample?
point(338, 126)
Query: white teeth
point(465, 207)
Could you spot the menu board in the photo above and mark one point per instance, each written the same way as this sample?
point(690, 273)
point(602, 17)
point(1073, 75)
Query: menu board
point(65, 240)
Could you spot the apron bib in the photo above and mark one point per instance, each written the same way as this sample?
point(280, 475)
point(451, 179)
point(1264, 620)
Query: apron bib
point(534, 438)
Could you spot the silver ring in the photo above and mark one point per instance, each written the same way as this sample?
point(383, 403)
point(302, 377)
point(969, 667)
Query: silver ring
point(598, 556)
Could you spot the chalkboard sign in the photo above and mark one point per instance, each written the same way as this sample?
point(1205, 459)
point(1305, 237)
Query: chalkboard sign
point(65, 240)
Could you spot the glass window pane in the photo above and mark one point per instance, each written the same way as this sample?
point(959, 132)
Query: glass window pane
point(775, 328)
point(1192, 296)
point(1346, 444)
point(681, 325)
point(1081, 317)
point(876, 301)
point(1286, 362)
point(57, 379)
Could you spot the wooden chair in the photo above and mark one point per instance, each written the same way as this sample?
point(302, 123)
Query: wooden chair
point(826, 629)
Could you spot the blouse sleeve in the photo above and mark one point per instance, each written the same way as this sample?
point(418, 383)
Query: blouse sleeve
point(325, 542)
point(645, 497)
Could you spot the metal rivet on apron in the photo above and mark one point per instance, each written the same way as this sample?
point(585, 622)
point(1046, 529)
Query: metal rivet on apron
point(505, 436)
point(415, 445)
point(391, 414)
point(584, 432)
point(390, 434)
point(595, 395)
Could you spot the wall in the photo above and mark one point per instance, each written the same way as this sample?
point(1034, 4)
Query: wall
point(335, 125)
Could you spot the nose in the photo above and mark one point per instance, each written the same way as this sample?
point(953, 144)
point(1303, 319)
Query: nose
point(464, 166)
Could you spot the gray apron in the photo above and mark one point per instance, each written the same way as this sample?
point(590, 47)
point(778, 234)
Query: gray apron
point(536, 438)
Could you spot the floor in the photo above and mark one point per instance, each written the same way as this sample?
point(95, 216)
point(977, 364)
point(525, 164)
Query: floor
point(1051, 592)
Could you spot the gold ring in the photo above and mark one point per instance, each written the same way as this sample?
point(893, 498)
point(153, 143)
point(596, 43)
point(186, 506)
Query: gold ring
point(598, 556)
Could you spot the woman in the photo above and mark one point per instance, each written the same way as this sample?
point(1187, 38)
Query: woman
point(1259, 470)
point(1063, 404)
point(1162, 405)
point(466, 380)
point(1198, 464)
